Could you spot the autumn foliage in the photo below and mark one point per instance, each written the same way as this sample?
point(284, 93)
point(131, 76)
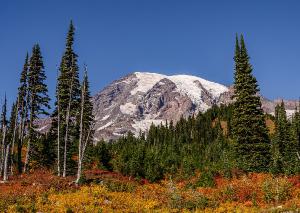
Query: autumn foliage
point(111, 192)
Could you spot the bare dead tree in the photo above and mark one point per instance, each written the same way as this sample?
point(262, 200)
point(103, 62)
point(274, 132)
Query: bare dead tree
point(82, 151)
point(5, 173)
point(84, 137)
point(81, 132)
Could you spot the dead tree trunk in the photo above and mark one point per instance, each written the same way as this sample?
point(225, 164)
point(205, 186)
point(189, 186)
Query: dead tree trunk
point(2, 150)
point(27, 156)
point(22, 125)
point(81, 135)
point(5, 172)
point(29, 138)
point(81, 158)
point(14, 138)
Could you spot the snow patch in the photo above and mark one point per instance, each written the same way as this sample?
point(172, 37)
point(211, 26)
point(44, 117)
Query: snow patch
point(186, 84)
point(106, 125)
point(146, 81)
point(128, 108)
point(126, 81)
point(290, 113)
point(105, 117)
point(42, 128)
point(118, 134)
point(144, 125)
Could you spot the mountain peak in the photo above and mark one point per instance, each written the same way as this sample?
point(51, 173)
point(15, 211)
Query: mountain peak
point(136, 101)
point(187, 84)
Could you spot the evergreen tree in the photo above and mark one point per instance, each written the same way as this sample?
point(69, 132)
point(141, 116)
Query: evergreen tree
point(279, 140)
point(86, 99)
point(284, 146)
point(100, 154)
point(197, 142)
point(3, 120)
point(296, 129)
point(3, 125)
point(23, 110)
point(68, 99)
point(248, 124)
point(12, 132)
point(38, 97)
point(8, 143)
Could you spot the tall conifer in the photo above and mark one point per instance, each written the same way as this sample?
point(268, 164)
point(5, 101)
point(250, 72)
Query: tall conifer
point(23, 110)
point(13, 133)
point(284, 144)
point(249, 128)
point(38, 97)
point(68, 100)
point(3, 125)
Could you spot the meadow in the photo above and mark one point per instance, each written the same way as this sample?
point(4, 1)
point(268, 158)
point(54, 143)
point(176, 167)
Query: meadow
point(104, 191)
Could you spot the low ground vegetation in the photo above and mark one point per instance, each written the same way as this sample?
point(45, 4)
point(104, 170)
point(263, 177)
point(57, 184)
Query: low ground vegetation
point(105, 191)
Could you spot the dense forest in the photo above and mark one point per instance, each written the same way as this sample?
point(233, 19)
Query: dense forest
point(224, 140)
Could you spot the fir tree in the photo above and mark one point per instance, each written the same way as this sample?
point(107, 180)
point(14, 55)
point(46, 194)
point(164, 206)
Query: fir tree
point(68, 98)
point(279, 140)
point(284, 144)
point(38, 97)
point(248, 124)
point(12, 133)
point(3, 120)
point(3, 125)
point(296, 128)
point(23, 110)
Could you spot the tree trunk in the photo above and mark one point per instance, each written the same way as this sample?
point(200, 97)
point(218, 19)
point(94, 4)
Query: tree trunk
point(66, 139)
point(58, 137)
point(2, 150)
point(67, 127)
point(80, 159)
point(79, 171)
point(29, 137)
point(27, 156)
point(14, 138)
point(21, 137)
point(80, 136)
point(5, 174)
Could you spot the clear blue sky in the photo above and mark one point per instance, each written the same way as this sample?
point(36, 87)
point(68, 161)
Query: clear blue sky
point(116, 37)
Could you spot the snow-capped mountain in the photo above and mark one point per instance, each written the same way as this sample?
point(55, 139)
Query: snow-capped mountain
point(141, 98)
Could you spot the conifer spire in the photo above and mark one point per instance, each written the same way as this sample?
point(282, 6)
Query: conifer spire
point(249, 128)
